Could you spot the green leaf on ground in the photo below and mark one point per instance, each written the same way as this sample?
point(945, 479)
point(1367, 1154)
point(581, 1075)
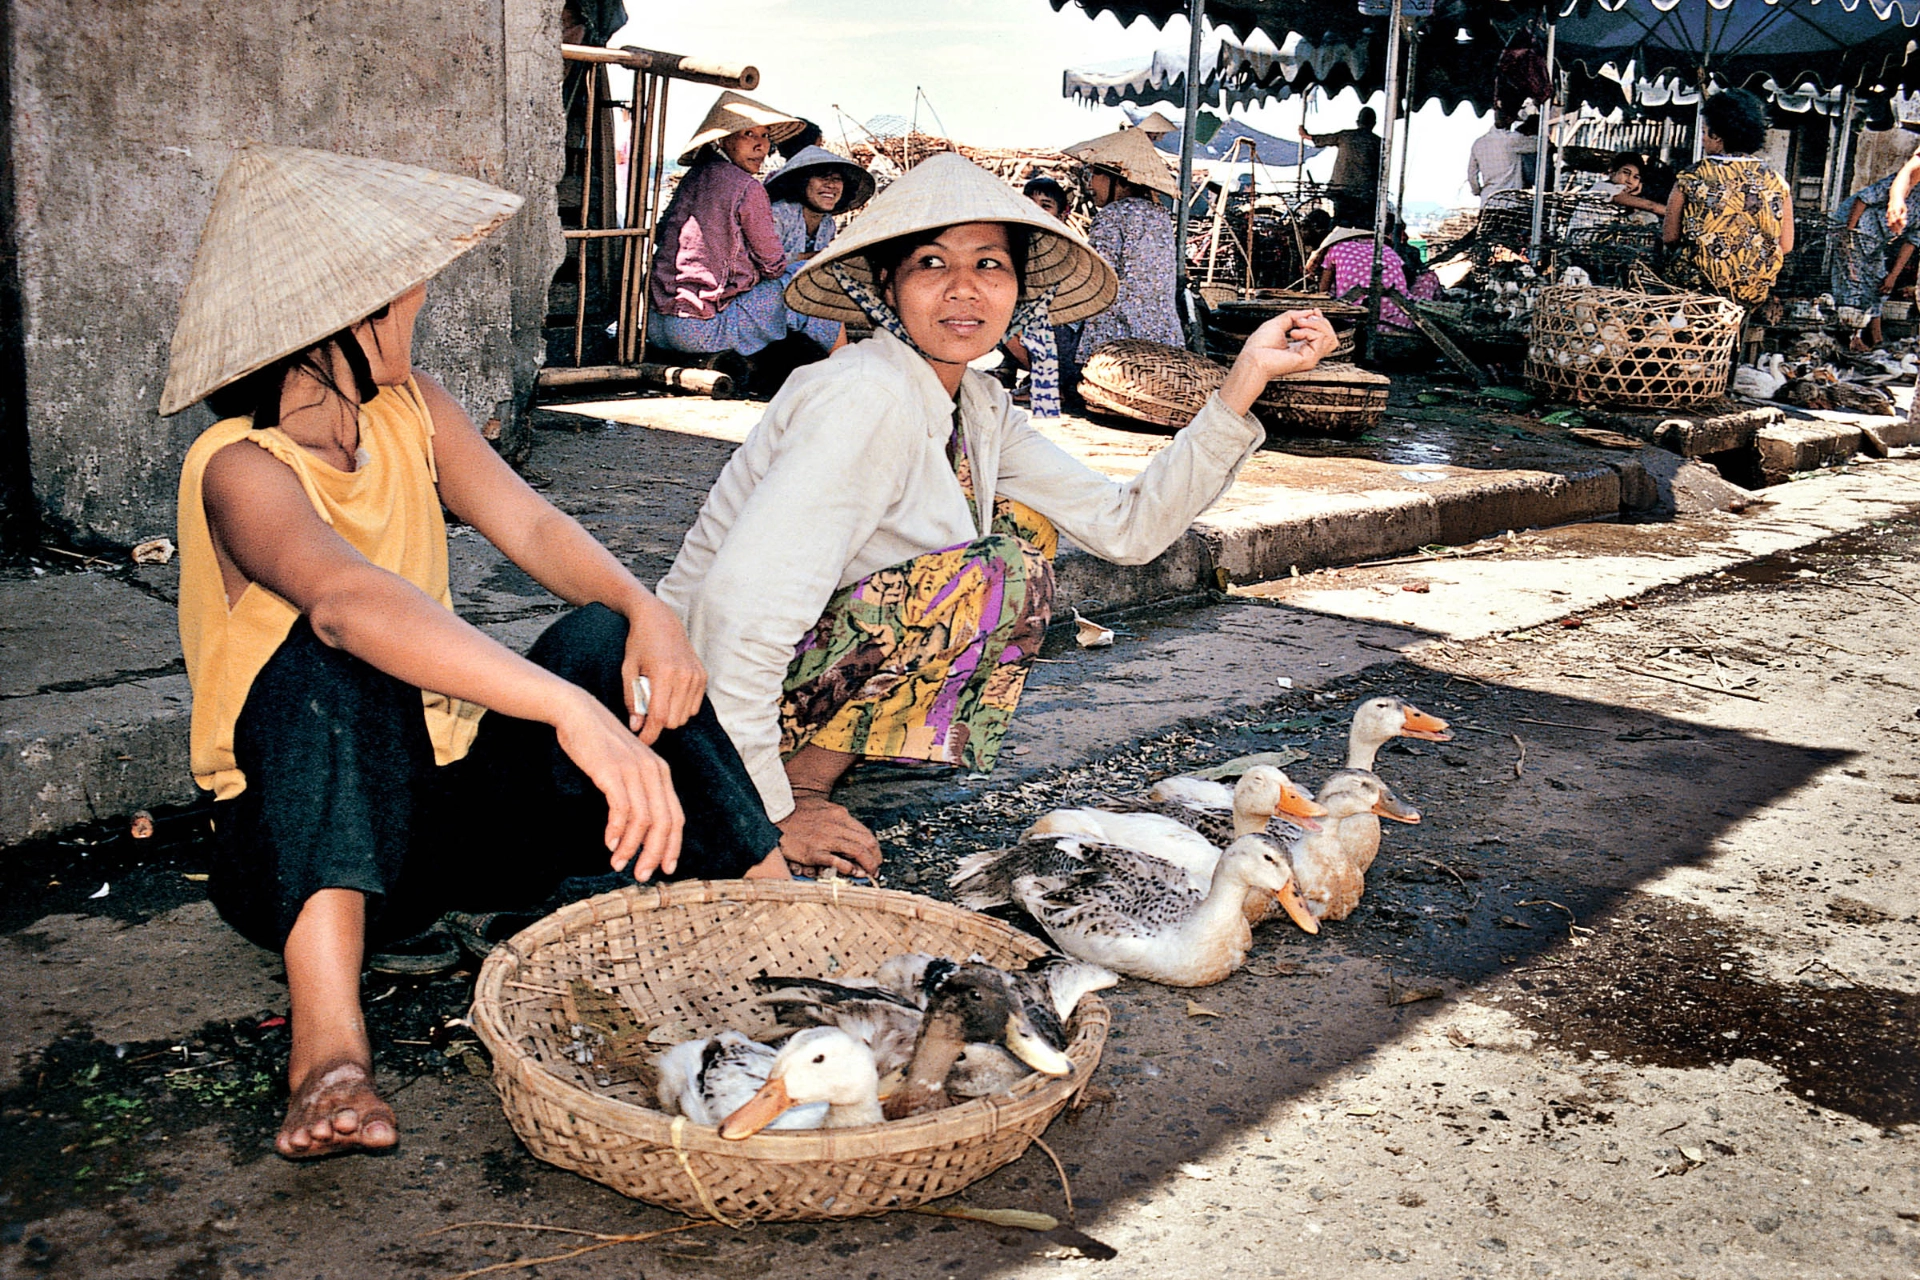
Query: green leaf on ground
point(1240, 764)
point(1512, 395)
point(1563, 418)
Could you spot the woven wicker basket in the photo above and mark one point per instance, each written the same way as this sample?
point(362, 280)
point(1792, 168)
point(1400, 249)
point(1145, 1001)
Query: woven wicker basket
point(679, 956)
point(1621, 347)
point(1166, 386)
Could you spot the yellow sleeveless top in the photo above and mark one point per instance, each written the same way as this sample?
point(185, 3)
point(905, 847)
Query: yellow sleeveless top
point(388, 510)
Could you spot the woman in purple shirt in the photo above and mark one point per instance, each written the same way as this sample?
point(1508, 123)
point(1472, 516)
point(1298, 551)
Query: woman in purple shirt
point(718, 268)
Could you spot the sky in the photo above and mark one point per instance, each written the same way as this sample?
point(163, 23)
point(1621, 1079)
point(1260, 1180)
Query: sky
point(989, 70)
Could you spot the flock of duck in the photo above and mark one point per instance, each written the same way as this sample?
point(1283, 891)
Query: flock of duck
point(923, 1031)
point(1166, 886)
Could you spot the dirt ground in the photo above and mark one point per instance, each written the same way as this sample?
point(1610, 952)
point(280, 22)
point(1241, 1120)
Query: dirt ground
point(1637, 998)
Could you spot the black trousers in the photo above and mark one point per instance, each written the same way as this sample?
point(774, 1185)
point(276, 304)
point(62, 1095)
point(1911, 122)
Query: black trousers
point(343, 793)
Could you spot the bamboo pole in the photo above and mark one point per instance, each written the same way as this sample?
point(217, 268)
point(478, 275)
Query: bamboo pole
point(1542, 149)
point(1391, 101)
point(677, 66)
point(586, 209)
point(1196, 14)
point(705, 381)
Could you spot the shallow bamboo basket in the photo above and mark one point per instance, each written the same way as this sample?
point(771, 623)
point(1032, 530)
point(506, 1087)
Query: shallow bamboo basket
point(1166, 386)
point(680, 956)
point(1623, 347)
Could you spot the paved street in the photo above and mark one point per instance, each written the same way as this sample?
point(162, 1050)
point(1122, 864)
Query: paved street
point(1638, 996)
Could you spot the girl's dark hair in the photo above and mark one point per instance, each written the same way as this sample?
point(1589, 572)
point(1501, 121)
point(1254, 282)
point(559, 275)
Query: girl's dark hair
point(884, 259)
point(1046, 185)
point(1738, 118)
point(257, 395)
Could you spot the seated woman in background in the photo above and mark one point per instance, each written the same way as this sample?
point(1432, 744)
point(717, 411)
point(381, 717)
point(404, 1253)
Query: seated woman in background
point(1730, 218)
point(871, 575)
point(374, 759)
point(808, 192)
point(1345, 265)
point(718, 263)
point(1133, 233)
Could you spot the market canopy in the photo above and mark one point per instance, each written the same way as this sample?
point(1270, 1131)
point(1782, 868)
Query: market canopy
point(1655, 52)
point(1161, 76)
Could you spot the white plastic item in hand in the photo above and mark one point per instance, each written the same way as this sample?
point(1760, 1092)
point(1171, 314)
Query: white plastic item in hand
point(642, 695)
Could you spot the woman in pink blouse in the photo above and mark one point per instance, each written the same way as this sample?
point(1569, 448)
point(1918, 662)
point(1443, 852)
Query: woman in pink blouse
point(718, 268)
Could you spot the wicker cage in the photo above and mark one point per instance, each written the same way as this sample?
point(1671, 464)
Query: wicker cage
point(679, 958)
point(1166, 386)
point(1620, 347)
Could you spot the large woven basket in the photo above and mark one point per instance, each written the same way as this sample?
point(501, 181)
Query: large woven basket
point(1166, 386)
point(1623, 347)
point(679, 957)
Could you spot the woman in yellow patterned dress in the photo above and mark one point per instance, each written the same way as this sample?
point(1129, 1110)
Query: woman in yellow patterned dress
point(1730, 218)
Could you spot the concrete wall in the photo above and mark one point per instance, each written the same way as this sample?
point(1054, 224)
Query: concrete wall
point(123, 119)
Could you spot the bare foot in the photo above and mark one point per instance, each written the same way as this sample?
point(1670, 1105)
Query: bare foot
point(333, 1111)
point(772, 867)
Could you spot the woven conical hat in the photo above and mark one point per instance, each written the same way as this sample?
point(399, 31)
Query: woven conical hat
point(734, 112)
point(1131, 154)
point(941, 191)
point(790, 182)
point(300, 244)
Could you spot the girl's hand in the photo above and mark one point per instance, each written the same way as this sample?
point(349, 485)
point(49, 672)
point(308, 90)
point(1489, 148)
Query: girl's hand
point(644, 821)
point(1291, 342)
point(658, 648)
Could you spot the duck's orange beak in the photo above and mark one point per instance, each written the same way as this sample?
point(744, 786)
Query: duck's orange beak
point(1296, 909)
point(761, 1110)
point(1299, 808)
point(1388, 806)
point(1416, 723)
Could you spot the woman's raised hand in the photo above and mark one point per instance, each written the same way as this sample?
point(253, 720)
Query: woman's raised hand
point(1291, 342)
point(658, 648)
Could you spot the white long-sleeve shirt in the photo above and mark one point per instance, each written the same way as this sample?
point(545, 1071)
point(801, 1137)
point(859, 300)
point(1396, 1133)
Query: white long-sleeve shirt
point(848, 473)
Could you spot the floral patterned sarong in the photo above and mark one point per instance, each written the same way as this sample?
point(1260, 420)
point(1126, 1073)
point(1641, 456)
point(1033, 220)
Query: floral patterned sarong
point(926, 660)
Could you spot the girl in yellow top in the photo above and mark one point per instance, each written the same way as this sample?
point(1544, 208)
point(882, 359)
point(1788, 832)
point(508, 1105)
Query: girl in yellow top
point(375, 760)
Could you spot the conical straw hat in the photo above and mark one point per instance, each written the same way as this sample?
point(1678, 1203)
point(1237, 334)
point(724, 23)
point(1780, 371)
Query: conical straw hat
point(733, 112)
point(1131, 154)
point(941, 191)
point(300, 244)
point(790, 183)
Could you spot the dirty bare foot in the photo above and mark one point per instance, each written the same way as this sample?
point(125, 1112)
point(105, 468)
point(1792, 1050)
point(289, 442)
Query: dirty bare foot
point(772, 867)
point(334, 1110)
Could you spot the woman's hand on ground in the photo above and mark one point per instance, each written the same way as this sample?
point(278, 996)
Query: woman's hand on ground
point(644, 821)
point(658, 648)
point(1291, 342)
point(820, 833)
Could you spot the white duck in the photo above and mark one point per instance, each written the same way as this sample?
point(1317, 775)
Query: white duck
point(1328, 868)
point(818, 1066)
point(1134, 913)
point(1376, 722)
point(1177, 823)
point(709, 1078)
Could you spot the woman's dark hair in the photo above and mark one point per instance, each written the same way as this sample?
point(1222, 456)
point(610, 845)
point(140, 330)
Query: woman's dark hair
point(884, 259)
point(1623, 158)
point(1048, 186)
point(257, 395)
point(1738, 118)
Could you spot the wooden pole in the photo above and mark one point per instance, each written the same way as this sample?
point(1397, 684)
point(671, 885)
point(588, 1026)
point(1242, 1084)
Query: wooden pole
point(677, 66)
point(586, 208)
point(1390, 101)
point(1543, 148)
point(1196, 13)
point(707, 382)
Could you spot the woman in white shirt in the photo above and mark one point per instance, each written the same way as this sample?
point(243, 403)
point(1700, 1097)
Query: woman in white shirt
point(871, 575)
